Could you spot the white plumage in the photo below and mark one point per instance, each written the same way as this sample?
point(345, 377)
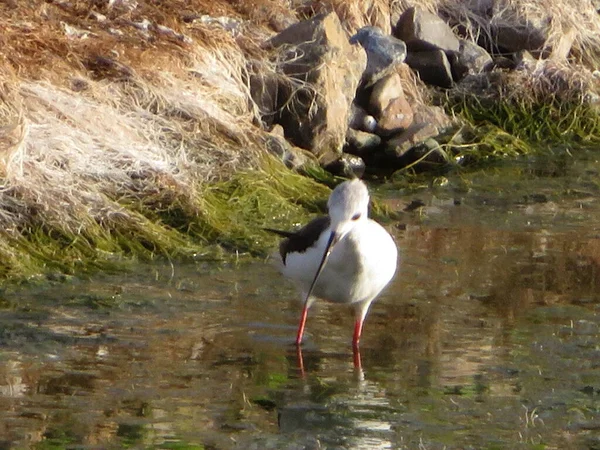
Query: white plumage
point(343, 258)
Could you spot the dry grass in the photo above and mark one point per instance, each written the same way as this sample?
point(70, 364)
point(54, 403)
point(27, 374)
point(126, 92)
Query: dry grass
point(565, 24)
point(115, 114)
point(94, 114)
point(355, 14)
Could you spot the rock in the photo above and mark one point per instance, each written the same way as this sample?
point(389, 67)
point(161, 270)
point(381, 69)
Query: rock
point(474, 57)
point(430, 151)
point(415, 135)
point(397, 117)
point(279, 21)
point(433, 67)
point(502, 62)
point(384, 91)
point(426, 155)
point(327, 68)
point(389, 106)
point(510, 38)
point(293, 157)
point(348, 166)
point(361, 120)
point(429, 122)
point(524, 59)
point(433, 115)
point(361, 143)
point(266, 91)
point(384, 53)
point(422, 30)
point(458, 67)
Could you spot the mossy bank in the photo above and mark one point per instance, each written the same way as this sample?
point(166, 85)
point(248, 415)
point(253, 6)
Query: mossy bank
point(129, 131)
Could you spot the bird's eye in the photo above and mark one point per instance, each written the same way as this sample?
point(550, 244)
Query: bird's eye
point(356, 216)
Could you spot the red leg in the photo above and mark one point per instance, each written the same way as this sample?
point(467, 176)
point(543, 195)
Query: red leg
point(301, 326)
point(357, 331)
point(357, 361)
point(300, 362)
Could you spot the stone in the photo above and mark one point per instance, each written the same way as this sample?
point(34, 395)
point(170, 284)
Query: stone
point(474, 57)
point(511, 38)
point(502, 62)
point(433, 67)
point(361, 143)
point(428, 122)
point(458, 67)
point(433, 115)
point(279, 21)
point(397, 117)
point(426, 155)
point(293, 157)
point(265, 90)
point(389, 106)
point(348, 166)
point(384, 91)
point(384, 53)
point(523, 59)
point(316, 54)
point(422, 30)
point(416, 134)
point(361, 120)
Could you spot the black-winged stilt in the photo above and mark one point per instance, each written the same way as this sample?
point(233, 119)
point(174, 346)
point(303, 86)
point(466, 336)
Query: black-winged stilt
point(343, 257)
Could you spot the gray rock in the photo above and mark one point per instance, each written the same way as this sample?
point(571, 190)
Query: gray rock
point(414, 136)
point(425, 155)
point(457, 66)
point(266, 91)
point(349, 166)
point(327, 68)
point(524, 59)
point(433, 67)
point(361, 143)
point(512, 38)
point(474, 57)
point(422, 30)
point(293, 157)
point(429, 122)
point(384, 53)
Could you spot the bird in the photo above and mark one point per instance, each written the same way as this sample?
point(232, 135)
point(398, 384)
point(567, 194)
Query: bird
point(344, 257)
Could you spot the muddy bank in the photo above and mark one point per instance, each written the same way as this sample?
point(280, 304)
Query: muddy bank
point(134, 129)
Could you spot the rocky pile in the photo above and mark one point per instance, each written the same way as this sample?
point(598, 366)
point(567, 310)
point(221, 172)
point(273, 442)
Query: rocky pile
point(359, 101)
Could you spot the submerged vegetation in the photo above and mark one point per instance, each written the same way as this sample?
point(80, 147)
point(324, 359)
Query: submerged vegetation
point(127, 129)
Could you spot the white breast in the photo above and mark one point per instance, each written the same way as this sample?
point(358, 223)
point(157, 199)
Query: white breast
point(359, 266)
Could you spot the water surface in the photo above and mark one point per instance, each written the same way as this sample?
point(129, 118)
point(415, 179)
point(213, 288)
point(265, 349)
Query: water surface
point(488, 338)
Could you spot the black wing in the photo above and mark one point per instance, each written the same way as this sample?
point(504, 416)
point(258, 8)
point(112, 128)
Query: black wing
point(304, 238)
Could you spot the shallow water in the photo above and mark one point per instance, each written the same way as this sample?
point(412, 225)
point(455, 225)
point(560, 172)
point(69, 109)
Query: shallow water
point(489, 337)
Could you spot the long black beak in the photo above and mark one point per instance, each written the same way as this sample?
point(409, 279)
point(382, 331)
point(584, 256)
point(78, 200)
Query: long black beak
point(333, 239)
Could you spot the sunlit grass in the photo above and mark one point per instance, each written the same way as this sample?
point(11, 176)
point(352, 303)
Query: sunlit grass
point(226, 215)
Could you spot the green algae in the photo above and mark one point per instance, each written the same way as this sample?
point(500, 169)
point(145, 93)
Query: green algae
point(534, 121)
point(216, 221)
